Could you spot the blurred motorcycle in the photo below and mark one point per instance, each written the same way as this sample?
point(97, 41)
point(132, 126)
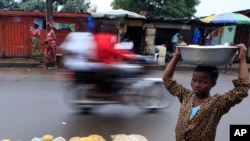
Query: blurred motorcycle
point(129, 86)
point(147, 93)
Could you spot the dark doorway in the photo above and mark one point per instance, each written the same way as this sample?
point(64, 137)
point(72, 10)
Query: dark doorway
point(135, 34)
point(163, 36)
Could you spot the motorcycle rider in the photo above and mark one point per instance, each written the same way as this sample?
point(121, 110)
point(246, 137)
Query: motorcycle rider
point(93, 58)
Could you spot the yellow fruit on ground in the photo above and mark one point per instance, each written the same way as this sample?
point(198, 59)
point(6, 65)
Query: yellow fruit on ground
point(74, 139)
point(96, 138)
point(85, 139)
point(48, 138)
point(6, 140)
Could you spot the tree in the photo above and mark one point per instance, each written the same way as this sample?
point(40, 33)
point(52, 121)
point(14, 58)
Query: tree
point(40, 5)
point(31, 5)
point(76, 6)
point(9, 4)
point(60, 2)
point(159, 8)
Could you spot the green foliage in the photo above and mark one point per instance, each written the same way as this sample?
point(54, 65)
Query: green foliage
point(40, 5)
point(76, 6)
point(31, 5)
point(159, 8)
point(8, 5)
point(59, 2)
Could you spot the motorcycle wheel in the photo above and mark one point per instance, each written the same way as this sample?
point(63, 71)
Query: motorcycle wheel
point(75, 93)
point(154, 97)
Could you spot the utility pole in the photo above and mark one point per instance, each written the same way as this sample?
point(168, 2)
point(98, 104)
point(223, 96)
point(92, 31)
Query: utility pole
point(49, 11)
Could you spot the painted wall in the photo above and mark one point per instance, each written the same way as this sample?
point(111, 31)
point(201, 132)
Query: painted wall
point(228, 34)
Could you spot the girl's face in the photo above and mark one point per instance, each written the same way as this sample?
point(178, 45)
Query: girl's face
point(201, 84)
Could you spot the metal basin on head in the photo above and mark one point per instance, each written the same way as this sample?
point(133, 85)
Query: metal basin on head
point(218, 55)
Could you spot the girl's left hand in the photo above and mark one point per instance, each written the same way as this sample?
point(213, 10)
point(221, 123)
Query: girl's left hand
point(177, 51)
point(242, 51)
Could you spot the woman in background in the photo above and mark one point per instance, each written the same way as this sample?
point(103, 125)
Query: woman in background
point(228, 68)
point(36, 41)
point(50, 51)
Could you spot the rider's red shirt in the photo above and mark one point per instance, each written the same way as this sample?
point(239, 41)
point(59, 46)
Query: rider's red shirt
point(106, 53)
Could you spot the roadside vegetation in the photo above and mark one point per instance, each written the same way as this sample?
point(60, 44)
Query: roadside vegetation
point(153, 8)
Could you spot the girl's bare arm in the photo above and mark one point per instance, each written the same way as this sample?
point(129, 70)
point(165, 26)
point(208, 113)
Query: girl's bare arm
point(243, 69)
point(169, 71)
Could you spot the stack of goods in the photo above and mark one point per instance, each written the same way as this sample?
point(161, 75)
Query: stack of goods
point(94, 137)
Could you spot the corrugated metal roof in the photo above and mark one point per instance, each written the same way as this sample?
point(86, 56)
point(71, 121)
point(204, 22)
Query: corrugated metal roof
point(169, 19)
point(41, 14)
point(245, 12)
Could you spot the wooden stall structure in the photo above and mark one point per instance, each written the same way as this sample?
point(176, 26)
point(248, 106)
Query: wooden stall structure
point(16, 26)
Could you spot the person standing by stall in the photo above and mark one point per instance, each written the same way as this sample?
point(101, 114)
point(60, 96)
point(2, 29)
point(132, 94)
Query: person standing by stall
point(50, 50)
point(181, 42)
point(36, 37)
point(174, 40)
point(227, 68)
